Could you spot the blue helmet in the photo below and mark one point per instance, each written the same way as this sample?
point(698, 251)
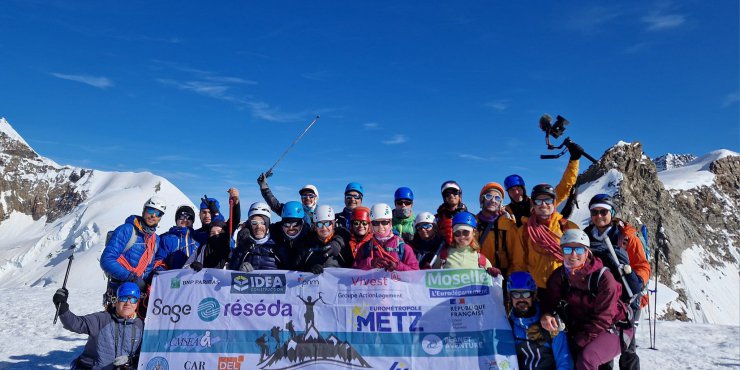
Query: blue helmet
point(512, 181)
point(203, 204)
point(128, 289)
point(354, 186)
point(404, 193)
point(293, 209)
point(466, 218)
point(521, 280)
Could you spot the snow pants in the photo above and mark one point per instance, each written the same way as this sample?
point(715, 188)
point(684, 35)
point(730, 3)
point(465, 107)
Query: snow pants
point(603, 349)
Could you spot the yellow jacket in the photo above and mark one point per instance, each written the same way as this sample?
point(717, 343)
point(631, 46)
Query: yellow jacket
point(500, 242)
point(530, 257)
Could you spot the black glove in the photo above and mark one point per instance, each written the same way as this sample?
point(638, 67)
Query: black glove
point(576, 151)
point(377, 263)
point(196, 266)
point(494, 272)
point(262, 181)
point(317, 269)
point(390, 266)
point(60, 300)
point(140, 282)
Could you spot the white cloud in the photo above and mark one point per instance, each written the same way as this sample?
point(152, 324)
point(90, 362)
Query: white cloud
point(395, 140)
point(731, 99)
point(659, 22)
point(371, 126)
point(264, 111)
point(472, 156)
point(99, 82)
point(499, 105)
point(590, 20)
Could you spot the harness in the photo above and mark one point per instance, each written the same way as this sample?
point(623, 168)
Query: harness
point(496, 235)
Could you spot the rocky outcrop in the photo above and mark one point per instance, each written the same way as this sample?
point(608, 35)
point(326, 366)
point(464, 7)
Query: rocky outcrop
point(670, 161)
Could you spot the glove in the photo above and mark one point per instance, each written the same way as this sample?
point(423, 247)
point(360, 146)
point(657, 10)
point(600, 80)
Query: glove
point(576, 151)
point(317, 269)
point(196, 266)
point(262, 181)
point(377, 263)
point(390, 266)
point(139, 282)
point(494, 272)
point(246, 267)
point(60, 300)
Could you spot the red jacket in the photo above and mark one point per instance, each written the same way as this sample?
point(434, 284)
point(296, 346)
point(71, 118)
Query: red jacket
point(586, 316)
point(392, 246)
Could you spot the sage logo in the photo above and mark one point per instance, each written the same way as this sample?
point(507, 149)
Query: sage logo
point(242, 283)
point(175, 283)
point(208, 309)
point(458, 283)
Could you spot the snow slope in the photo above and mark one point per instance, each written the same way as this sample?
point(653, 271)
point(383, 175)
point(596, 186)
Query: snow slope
point(693, 174)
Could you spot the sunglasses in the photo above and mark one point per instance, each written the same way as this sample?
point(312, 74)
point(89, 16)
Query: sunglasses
point(516, 294)
point(350, 197)
point(131, 300)
point(326, 224)
point(579, 250)
point(404, 202)
point(489, 197)
point(154, 212)
point(185, 216)
point(358, 223)
point(548, 201)
point(424, 226)
point(384, 223)
point(599, 212)
point(454, 192)
point(462, 233)
point(290, 225)
point(308, 195)
point(257, 223)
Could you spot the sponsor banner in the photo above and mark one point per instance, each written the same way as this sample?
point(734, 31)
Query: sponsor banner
point(220, 319)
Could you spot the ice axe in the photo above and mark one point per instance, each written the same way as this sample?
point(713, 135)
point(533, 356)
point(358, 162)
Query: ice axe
point(64, 284)
point(269, 172)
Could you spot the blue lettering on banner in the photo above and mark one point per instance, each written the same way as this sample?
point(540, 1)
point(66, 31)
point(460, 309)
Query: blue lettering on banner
point(208, 309)
point(385, 321)
point(243, 283)
point(399, 366)
point(260, 309)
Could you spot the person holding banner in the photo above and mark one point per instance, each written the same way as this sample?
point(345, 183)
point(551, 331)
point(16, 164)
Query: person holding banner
point(290, 230)
point(464, 252)
point(586, 297)
point(385, 250)
point(215, 252)
point(114, 336)
point(323, 247)
point(255, 247)
point(536, 348)
point(427, 242)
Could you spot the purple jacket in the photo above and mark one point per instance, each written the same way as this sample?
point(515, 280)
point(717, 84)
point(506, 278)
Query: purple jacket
point(394, 246)
point(586, 316)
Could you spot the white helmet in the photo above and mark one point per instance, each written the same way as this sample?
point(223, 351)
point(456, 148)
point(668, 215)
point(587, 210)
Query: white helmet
point(424, 217)
point(575, 236)
point(380, 211)
point(259, 208)
point(156, 203)
point(323, 213)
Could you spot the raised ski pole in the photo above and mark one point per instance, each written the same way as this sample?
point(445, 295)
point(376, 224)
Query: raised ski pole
point(66, 275)
point(269, 172)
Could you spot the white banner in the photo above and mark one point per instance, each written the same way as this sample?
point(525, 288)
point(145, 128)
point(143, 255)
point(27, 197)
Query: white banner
point(432, 319)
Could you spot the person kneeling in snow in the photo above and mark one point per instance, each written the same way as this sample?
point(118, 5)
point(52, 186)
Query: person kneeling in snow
point(115, 336)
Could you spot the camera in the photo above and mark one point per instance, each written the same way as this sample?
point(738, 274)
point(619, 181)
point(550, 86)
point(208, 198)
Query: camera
point(555, 130)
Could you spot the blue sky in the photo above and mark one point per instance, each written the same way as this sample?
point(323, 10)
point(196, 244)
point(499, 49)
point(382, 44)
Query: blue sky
point(409, 93)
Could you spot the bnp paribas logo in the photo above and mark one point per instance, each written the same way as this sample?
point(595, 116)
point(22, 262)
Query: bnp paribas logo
point(175, 283)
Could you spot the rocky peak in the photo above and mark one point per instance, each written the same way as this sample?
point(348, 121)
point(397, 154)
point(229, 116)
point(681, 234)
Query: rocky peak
point(670, 161)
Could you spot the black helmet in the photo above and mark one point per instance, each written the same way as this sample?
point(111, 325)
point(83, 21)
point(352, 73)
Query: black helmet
point(541, 189)
point(603, 199)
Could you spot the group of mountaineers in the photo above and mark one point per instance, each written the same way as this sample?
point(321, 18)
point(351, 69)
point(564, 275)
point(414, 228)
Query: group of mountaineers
point(573, 296)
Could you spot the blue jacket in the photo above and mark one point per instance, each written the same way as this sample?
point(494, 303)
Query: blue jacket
point(536, 349)
point(121, 236)
point(176, 245)
point(109, 336)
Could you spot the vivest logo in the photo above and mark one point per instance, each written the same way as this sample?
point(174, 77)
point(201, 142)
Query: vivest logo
point(208, 309)
point(458, 283)
point(157, 363)
point(242, 283)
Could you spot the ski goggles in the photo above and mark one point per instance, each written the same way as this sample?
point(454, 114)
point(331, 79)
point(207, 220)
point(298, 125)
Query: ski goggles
point(569, 250)
point(462, 233)
point(599, 212)
point(326, 224)
point(424, 226)
point(404, 202)
point(130, 299)
point(359, 223)
point(489, 197)
point(383, 222)
point(548, 201)
point(516, 294)
point(152, 211)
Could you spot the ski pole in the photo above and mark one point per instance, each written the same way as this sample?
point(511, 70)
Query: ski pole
point(66, 275)
point(269, 172)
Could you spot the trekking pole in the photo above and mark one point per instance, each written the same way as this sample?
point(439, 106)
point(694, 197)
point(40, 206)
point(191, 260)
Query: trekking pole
point(269, 172)
point(66, 275)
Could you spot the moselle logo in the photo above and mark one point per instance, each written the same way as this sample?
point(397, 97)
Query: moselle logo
point(458, 283)
point(175, 283)
point(399, 366)
point(432, 344)
point(387, 319)
point(195, 365)
point(157, 363)
point(230, 362)
point(208, 309)
point(173, 312)
point(242, 283)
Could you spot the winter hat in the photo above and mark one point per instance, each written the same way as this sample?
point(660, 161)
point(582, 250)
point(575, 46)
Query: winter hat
point(204, 205)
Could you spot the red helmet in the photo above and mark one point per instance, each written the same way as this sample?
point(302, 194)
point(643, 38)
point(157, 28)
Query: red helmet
point(361, 214)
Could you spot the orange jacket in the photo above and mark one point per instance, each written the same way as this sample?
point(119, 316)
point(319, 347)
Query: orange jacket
point(530, 257)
